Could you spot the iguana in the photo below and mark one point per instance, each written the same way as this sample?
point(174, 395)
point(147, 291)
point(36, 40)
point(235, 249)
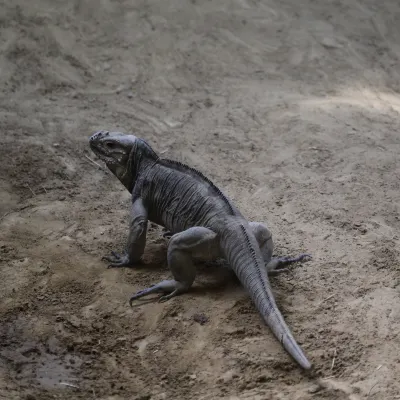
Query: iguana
point(203, 222)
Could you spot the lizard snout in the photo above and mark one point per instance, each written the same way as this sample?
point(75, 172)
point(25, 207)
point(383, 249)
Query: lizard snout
point(98, 135)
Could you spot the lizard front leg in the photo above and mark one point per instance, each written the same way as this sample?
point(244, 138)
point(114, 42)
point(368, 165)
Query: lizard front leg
point(182, 248)
point(136, 238)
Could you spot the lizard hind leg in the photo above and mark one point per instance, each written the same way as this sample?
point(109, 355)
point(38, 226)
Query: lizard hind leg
point(274, 265)
point(182, 248)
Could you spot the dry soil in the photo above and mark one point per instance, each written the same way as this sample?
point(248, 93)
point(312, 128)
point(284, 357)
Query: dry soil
point(290, 106)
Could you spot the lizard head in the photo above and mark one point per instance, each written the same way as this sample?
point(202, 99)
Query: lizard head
point(113, 148)
point(122, 153)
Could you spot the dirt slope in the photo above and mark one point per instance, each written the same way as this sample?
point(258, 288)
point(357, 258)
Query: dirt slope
point(291, 107)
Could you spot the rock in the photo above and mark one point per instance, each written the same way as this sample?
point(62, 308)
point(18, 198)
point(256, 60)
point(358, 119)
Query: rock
point(227, 376)
point(314, 389)
point(53, 345)
point(159, 396)
point(200, 318)
point(98, 326)
point(263, 378)
point(231, 330)
point(142, 397)
point(395, 283)
point(73, 321)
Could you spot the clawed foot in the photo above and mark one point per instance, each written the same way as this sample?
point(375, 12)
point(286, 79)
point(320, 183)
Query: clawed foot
point(276, 265)
point(172, 287)
point(167, 234)
point(117, 260)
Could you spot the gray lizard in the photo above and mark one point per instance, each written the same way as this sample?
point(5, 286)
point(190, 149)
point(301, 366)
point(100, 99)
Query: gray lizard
point(203, 223)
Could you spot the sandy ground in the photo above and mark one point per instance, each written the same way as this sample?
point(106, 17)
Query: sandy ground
point(290, 106)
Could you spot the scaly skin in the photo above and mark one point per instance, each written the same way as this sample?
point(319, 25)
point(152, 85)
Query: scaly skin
point(203, 223)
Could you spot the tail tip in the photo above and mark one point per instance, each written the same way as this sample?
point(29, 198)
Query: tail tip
point(306, 365)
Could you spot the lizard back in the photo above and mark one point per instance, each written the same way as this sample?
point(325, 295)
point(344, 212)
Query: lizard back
point(179, 196)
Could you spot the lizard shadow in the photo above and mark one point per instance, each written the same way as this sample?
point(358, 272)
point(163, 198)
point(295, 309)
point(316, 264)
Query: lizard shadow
point(213, 277)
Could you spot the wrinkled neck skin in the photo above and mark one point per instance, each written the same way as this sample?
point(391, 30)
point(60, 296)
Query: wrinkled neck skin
point(137, 162)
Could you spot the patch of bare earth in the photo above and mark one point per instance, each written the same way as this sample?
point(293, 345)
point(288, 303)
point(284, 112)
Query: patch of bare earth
point(291, 107)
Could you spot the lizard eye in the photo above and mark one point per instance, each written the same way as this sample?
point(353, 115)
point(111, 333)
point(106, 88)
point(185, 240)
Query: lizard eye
point(110, 145)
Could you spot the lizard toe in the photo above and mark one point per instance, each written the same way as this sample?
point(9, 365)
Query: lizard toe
point(117, 260)
point(163, 299)
point(112, 259)
point(114, 265)
point(119, 264)
point(278, 271)
point(167, 235)
point(144, 292)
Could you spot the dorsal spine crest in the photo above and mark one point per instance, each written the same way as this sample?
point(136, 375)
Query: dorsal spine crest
point(252, 252)
point(200, 175)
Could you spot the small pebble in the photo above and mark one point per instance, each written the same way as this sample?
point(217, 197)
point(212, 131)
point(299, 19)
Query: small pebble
point(143, 397)
point(200, 318)
point(98, 326)
point(314, 389)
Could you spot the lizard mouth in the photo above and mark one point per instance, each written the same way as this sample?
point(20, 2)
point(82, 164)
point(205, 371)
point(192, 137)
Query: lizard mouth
point(103, 155)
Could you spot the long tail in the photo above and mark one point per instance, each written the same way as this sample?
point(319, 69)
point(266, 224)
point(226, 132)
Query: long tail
point(243, 254)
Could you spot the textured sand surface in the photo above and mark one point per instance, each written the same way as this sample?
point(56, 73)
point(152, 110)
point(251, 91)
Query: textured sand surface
point(291, 107)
